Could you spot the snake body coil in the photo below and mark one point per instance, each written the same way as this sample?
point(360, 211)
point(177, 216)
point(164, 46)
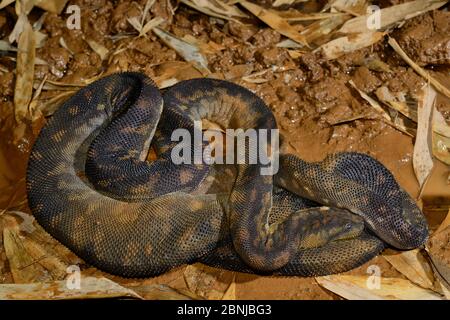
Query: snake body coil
point(90, 188)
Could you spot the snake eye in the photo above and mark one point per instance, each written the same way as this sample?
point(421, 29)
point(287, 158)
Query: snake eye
point(348, 226)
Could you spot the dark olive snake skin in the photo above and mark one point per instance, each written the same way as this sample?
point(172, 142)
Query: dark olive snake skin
point(90, 188)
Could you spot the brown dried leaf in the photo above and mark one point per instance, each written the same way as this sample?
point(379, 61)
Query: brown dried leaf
point(90, 288)
point(441, 137)
point(296, 15)
point(220, 7)
point(53, 6)
point(438, 250)
point(423, 158)
point(413, 265)
point(392, 15)
point(208, 11)
point(440, 87)
point(230, 294)
point(205, 281)
point(340, 46)
point(356, 288)
point(162, 292)
point(150, 25)
point(395, 102)
point(386, 117)
point(189, 52)
point(444, 223)
point(23, 266)
point(98, 48)
point(278, 3)
point(274, 21)
point(24, 72)
point(354, 7)
point(323, 27)
point(5, 3)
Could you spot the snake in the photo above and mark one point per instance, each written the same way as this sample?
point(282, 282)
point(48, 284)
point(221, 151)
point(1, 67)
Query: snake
point(91, 187)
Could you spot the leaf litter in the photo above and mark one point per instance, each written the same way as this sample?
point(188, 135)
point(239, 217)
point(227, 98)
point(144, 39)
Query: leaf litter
point(336, 32)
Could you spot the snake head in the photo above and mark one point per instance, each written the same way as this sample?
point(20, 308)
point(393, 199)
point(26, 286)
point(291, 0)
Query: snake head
point(397, 220)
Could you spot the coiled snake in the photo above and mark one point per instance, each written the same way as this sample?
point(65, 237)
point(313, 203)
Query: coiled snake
point(90, 188)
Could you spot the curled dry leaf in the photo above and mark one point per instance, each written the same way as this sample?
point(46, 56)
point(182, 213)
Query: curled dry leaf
point(90, 288)
point(422, 157)
point(276, 22)
point(390, 15)
point(379, 288)
point(24, 72)
point(340, 46)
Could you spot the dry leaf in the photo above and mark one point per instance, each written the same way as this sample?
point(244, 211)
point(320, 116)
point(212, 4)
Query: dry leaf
point(275, 22)
point(423, 158)
point(220, 7)
point(98, 48)
point(323, 27)
point(376, 65)
point(205, 281)
point(53, 6)
point(387, 119)
point(357, 288)
point(90, 288)
point(340, 46)
point(161, 292)
point(355, 7)
point(441, 137)
point(441, 88)
point(150, 25)
point(230, 294)
point(6, 46)
point(189, 52)
point(413, 265)
point(278, 3)
point(444, 223)
point(24, 72)
point(391, 15)
point(23, 266)
point(209, 12)
point(5, 3)
point(396, 102)
point(438, 250)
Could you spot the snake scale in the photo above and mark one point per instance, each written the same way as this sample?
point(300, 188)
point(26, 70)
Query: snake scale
point(90, 187)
